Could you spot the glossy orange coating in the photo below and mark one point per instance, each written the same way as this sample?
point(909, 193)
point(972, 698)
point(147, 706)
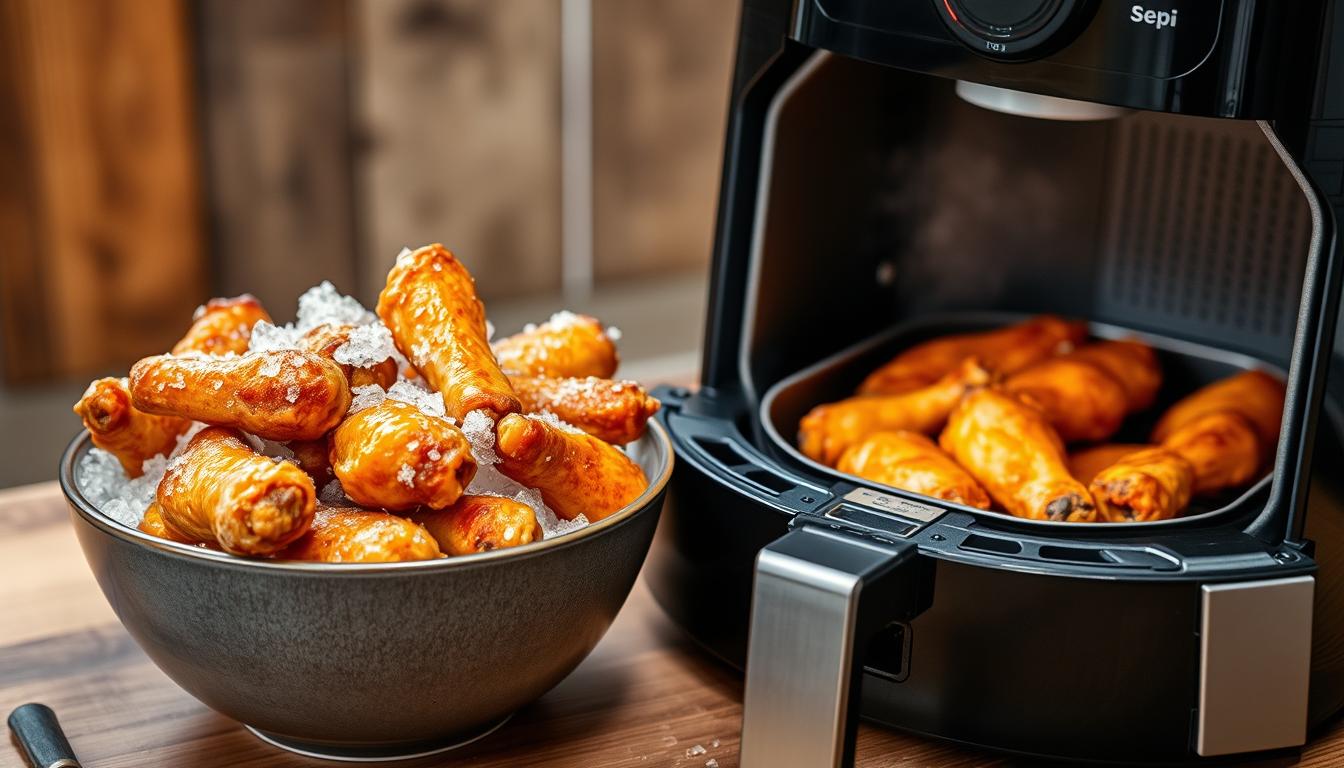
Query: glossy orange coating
point(567, 345)
point(325, 339)
point(1080, 400)
point(283, 395)
point(480, 524)
point(355, 535)
point(1003, 351)
point(313, 457)
point(118, 427)
point(1017, 456)
point(1150, 484)
point(912, 462)
point(396, 457)
point(614, 411)
point(438, 323)
point(829, 429)
point(1086, 463)
point(223, 326)
point(1131, 363)
point(1223, 447)
point(1255, 395)
point(153, 524)
point(222, 492)
point(576, 473)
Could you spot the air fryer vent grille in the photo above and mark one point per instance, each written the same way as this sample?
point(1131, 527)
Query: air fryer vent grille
point(1205, 232)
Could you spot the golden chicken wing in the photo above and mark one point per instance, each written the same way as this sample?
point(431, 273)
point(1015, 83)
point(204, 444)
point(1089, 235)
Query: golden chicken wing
point(1003, 351)
point(828, 430)
point(1222, 446)
point(1081, 401)
point(220, 491)
point(153, 524)
point(912, 462)
point(355, 535)
point(325, 339)
point(1087, 463)
point(438, 323)
point(576, 473)
point(282, 395)
point(614, 411)
point(480, 524)
point(1017, 456)
point(397, 457)
point(223, 326)
point(1255, 395)
point(566, 346)
point(1131, 363)
point(1151, 484)
point(118, 427)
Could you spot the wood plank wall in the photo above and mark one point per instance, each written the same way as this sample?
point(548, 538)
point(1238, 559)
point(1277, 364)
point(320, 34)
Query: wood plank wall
point(100, 208)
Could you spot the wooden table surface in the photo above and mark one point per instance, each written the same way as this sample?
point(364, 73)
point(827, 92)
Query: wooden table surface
point(645, 697)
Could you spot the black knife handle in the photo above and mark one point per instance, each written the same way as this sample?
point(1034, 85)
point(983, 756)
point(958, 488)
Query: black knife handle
point(43, 741)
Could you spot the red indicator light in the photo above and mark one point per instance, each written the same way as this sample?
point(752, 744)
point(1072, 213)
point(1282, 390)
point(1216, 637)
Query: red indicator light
point(951, 12)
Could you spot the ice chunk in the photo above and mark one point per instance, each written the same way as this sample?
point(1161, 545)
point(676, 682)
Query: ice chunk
point(555, 421)
point(367, 345)
point(367, 396)
point(271, 338)
point(404, 256)
point(406, 475)
point(711, 763)
point(107, 487)
point(479, 429)
point(613, 333)
point(271, 367)
point(696, 751)
point(324, 304)
point(489, 330)
point(428, 402)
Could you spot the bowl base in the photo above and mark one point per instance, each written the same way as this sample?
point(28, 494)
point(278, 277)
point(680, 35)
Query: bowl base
point(356, 754)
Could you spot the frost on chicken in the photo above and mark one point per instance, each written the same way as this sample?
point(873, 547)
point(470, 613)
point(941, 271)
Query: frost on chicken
point(323, 304)
point(367, 345)
point(370, 342)
point(430, 403)
point(406, 474)
point(366, 396)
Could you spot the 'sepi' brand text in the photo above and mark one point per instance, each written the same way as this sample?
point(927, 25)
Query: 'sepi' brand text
point(1139, 15)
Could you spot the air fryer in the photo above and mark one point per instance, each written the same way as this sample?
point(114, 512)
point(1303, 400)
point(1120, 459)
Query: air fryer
point(898, 170)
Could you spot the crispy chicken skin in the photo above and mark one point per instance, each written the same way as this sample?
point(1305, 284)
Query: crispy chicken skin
point(566, 346)
point(614, 411)
point(283, 395)
point(1087, 463)
point(438, 323)
point(325, 339)
point(118, 427)
point(355, 535)
point(828, 430)
point(1080, 400)
point(153, 524)
point(1222, 446)
point(1015, 454)
point(577, 474)
point(221, 326)
point(1131, 363)
point(396, 457)
point(480, 524)
point(220, 491)
point(1150, 484)
point(1003, 351)
point(1255, 395)
point(912, 462)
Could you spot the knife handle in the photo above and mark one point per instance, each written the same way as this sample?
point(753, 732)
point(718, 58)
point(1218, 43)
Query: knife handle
point(43, 741)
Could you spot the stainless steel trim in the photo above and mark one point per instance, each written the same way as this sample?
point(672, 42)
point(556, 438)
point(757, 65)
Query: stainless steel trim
point(65, 762)
point(1254, 665)
point(1036, 105)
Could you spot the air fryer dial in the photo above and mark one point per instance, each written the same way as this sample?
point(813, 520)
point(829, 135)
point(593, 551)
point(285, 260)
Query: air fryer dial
point(1010, 28)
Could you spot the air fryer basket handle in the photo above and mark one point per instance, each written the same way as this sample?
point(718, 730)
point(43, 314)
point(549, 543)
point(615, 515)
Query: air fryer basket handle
point(820, 596)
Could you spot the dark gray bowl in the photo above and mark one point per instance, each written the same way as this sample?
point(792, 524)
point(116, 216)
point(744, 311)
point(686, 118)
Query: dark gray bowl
point(366, 661)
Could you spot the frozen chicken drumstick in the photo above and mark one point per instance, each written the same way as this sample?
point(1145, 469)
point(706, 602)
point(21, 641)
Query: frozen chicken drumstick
point(396, 457)
point(912, 462)
point(355, 535)
point(222, 326)
point(325, 339)
point(282, 395)
point(1015, 454)
point(438, 323)
point(614, 411)
point(480, 524)
point(567, 345)
point(118, 427)
point(576, 473)
point(220, 491)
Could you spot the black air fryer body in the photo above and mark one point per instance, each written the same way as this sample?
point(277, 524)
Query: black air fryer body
point(870, 198)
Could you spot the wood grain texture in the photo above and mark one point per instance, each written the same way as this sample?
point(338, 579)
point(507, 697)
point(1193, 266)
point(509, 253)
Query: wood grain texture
point(274, 94)
point(99, 95)
point(643, 698)
point(660, 90)
point(460, 113)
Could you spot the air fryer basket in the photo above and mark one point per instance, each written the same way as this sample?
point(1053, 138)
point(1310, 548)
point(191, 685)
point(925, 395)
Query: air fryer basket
point(1186, 366)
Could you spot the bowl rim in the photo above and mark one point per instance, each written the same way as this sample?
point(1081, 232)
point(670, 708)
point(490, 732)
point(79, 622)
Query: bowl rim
point(95, 517)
